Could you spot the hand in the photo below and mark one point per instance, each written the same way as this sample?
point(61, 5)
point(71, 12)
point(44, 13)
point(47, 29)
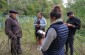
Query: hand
point(41, 32)
point(70, 25)
point(14, 37)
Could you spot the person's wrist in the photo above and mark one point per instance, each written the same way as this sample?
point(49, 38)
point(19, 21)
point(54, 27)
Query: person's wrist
point(73, 25)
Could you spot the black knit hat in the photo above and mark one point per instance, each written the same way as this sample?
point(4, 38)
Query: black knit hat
point(13, 11)
point(69, 13)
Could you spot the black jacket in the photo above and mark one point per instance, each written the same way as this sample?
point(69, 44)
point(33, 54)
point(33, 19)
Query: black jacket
point(76, 22)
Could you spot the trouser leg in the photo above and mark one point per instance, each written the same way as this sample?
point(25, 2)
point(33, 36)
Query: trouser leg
point(67, 42)
point(71, 47)
point(71, 40)
point(19, 51)
point(13, 47)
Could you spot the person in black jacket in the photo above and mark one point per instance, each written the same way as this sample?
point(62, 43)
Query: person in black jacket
point(73, 24)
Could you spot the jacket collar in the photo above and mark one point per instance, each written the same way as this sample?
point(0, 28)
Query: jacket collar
point(58, 20)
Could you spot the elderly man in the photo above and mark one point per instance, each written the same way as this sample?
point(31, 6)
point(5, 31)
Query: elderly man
point(14, 32)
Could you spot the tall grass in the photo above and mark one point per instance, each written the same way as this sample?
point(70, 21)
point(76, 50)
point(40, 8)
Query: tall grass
point(28, 41)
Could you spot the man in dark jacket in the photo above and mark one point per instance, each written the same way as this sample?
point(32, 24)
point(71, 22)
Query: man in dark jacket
point(14, 32)
point(73, 24)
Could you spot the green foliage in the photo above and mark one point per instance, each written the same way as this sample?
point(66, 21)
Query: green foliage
point(28, 7)
point(3, 6)
point(28, 41)
point(79, 9)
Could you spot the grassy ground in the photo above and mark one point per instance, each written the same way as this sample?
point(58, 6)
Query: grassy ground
point(28, 41)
